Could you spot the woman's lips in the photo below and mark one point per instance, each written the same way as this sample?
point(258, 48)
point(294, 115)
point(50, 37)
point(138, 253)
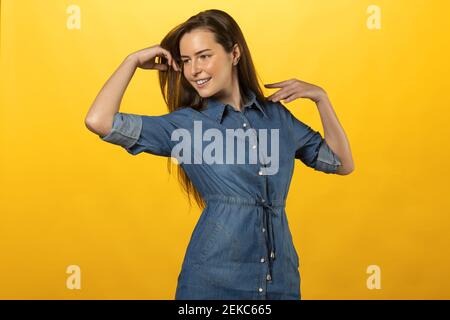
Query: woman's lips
point(203, 84)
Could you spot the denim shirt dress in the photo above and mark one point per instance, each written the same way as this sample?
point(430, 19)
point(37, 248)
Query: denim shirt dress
point(241, 246)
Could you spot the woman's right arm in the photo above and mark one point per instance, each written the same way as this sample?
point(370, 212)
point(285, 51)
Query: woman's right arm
point(100, 116)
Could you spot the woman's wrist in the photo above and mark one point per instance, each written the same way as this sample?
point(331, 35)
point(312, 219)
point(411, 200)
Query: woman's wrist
point(131, 59)
point(322, 96)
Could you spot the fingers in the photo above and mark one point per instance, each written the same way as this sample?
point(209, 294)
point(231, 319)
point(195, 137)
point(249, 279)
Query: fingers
point(175, 66)
point(171, 62)
point(290, 98)
point(162, 67)
point(282, 94)
point(278, 84)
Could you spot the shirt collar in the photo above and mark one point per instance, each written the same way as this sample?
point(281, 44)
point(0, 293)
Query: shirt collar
point(215, 109)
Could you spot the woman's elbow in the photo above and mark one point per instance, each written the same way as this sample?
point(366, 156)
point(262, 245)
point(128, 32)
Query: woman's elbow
point(96, 126)
point(345, 170)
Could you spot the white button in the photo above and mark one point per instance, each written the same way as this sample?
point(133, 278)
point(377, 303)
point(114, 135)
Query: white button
point(268, 278)
point(262, 260)
point(244, 124)
point(260, 172)
point(254, 146)
point(263, 229)
point(263, 200)
point(260, 289)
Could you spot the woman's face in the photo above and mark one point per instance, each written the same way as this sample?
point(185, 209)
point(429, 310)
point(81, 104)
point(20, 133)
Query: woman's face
point(204, 58)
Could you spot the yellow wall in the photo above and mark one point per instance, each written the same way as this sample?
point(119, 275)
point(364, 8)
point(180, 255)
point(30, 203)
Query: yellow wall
point(67, 198)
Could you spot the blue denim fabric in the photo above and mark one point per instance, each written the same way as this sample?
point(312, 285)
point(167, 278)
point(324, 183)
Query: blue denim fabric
point(241, 246)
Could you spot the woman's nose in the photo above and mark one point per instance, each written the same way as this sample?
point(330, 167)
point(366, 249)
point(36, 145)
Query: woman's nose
point(195, 69)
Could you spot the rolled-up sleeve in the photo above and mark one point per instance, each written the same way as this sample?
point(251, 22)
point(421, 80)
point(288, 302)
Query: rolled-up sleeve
point(139, 133)
point(327, 161)
point(311, 148)
point(125, 130)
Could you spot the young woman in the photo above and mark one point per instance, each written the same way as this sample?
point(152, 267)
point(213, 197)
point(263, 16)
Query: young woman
point(241, 246)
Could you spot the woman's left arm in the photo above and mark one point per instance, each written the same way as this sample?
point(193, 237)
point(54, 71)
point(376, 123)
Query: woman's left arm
point(334, 133)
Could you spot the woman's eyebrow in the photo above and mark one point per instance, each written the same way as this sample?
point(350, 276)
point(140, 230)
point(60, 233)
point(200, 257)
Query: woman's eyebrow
point(197, 53)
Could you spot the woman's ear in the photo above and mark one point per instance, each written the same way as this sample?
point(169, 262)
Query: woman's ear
point(236, 54)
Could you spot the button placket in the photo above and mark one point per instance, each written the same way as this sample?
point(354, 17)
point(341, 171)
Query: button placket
point(260, 172)
point(260, 154)
point(267, 276)
point(255, 141)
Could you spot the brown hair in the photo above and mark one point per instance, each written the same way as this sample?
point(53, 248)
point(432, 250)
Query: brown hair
point(179, 93)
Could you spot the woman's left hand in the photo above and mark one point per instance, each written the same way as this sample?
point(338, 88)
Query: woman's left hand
point(293, 89)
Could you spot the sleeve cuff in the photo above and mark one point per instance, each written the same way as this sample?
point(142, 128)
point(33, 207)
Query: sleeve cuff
point(327, 160)
point(125, 130)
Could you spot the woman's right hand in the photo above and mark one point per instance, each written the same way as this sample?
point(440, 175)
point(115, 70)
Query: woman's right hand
point(145, 58)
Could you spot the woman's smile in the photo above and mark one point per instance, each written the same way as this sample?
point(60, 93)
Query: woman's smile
point(202, 83)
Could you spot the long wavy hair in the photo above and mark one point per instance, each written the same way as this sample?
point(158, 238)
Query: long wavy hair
point(179, 93)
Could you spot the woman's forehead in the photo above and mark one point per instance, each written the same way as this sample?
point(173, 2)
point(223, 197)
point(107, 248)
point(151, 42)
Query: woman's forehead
point(195, 41)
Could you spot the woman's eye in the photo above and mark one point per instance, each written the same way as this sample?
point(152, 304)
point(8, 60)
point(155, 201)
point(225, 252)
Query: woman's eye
point(202, 56)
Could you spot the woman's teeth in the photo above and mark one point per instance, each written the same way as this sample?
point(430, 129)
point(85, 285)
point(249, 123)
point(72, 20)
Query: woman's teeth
point(200, 82)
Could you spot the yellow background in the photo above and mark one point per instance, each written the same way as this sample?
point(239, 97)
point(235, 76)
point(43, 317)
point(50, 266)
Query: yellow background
point(68, 198)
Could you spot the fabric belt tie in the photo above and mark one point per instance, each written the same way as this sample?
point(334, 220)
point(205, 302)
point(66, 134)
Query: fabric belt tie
point(268, 213)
